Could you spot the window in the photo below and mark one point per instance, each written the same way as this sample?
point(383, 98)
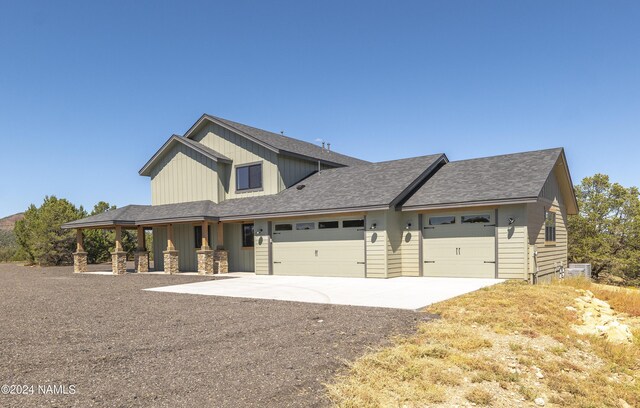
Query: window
point(305, 226)
point(448, 219)
point(353, 224)
point(473, 219)
point(549, 226)
point(249, 177)
point(284, 227)
point(197, 234)
point(327, 224)
point(247, 235)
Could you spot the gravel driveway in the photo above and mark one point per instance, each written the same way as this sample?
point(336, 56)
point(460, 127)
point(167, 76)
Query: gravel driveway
point(121, 346)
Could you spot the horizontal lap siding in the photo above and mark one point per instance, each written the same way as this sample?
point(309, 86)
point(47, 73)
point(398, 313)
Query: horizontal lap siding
point(549, 257)
point(512, 242)
point(376, 245)
point(183, 175)
point(394, 244)
point(241, 151)
point(411, 246)
point(261, 250)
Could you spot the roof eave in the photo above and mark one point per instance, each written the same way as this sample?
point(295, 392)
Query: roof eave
point(145, 170)
point(477, 203)
point(291, 214)
point(205, 117)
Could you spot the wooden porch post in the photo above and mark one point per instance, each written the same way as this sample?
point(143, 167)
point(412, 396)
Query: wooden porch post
point(118, 238)
point(79, 240)
point(205, 235)
point(141, 236)
point(170, 246)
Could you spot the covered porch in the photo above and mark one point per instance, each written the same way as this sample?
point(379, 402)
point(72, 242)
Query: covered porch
point(187, 237)
point(209, 261)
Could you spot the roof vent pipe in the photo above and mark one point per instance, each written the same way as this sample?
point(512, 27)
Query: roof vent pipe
point(322, 145)
point(329, 146)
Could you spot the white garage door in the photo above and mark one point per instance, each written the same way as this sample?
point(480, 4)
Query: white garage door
point(459, 245)
point(319, 248)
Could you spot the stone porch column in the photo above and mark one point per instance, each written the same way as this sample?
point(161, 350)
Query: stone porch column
point(171, 260)
point(80, 256)
point(142, 254)
point(220, 255)
point(205, 253)
point(220, 261)
point(119, 256)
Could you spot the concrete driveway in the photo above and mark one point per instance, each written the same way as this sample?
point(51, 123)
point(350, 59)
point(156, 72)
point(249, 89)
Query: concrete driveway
point(397, 293)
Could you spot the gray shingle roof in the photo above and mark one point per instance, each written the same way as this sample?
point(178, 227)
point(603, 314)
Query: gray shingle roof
point(285, 144)
point(365, 186)
point(512, 176)
point(375, 185)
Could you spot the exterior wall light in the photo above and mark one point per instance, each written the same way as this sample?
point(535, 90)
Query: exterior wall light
point(373, 226)
point(511, 220)
point(408, 225)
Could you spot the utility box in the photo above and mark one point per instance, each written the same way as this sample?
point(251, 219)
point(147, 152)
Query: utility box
point(578, 269)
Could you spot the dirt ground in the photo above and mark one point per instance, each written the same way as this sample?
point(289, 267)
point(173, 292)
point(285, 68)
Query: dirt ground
point(120, 346)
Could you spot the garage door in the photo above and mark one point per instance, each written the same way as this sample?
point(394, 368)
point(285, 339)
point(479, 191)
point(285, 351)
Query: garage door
point(459, 245)
point(319, 248)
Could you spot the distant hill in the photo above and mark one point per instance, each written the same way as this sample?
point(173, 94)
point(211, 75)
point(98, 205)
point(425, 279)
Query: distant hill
point(7, 223)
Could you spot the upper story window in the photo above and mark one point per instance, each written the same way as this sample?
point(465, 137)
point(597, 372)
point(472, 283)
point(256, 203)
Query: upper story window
point(549, 226)
point(249, 177)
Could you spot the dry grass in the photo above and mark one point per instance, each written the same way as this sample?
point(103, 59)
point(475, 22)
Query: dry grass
point(495, 343)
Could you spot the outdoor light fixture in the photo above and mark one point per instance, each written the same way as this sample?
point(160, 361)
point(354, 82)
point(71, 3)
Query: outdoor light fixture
point(511, 220)
point(260, 231)
point(408, 225)
point(373, 226)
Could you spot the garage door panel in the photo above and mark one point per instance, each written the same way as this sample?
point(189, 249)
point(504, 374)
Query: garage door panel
point(319, 252)
point(459, 249)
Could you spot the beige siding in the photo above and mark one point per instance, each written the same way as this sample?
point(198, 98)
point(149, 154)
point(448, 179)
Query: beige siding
point(159, 245)
point(550, 256)
point(512, 242)
point(184, 241)
point(376, 245)
point(241, 151)
point(292, 170)
point(394, 244)
point(240, 259)
point(410, 245)
point(183, 175)
point(261, 250)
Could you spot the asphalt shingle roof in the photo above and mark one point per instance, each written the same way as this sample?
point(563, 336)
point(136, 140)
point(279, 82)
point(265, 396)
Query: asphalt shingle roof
point(367, 186)
point(371, 185)
point(511, 176)
point(289, 144)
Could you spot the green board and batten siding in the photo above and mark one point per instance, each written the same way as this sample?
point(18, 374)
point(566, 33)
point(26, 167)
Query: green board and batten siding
point(183, 175)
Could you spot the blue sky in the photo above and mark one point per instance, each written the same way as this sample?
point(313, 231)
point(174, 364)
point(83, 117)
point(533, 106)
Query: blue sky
point(90, 90)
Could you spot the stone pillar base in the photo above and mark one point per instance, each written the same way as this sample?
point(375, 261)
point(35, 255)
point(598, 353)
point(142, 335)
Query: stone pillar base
point(220, 261)
point(79, 262)
point(205, 261)
point(119, 262)
point(171, 262)
point(142, 261)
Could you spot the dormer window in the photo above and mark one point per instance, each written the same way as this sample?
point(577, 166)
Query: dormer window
point(249, 177)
